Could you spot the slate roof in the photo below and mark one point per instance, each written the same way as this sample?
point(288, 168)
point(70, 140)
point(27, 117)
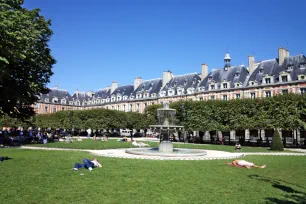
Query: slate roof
point(81, 96)
point(272, 68)
point(124, 90)
point(184, 81)
point(102, 93)
point(149, 86)
point(234, 74)
point(294, 62)
point(56, 93)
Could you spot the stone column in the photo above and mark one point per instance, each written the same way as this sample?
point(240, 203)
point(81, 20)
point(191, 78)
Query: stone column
point(233, 135)
point(206, 136)
point(247, 134)
point(297, 135)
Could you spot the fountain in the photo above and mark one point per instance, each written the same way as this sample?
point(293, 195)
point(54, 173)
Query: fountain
point(165, 127)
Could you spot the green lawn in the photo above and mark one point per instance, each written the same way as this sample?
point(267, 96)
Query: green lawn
point(112, 143)
point(34, 176)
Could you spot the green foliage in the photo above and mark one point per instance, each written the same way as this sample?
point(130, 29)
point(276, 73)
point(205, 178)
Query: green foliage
point(277, 142)
point(25, 58)
point(95, 119)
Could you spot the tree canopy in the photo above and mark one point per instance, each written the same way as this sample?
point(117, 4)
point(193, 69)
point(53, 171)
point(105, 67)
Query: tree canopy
point(25, 58)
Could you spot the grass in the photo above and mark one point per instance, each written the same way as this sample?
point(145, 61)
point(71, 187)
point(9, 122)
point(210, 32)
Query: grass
point(112, 144)
point(35, 176)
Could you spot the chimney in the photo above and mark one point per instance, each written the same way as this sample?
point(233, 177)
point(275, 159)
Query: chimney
point(251, 64)
point(137, 82)
point(282, 53)
point(204, 72)
point(114, 86)
point(167, 76)
point(77, 93)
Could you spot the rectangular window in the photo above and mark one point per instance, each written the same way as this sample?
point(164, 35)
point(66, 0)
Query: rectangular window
point(253, 95)
point(268, 94)
point(225, 97)
point(237, 96)
point(145, 105)
point(63, 108)
point(137, 107)
point(46, 109)
point(201, 98)
point(54, 110)
point(284, 78)
point(212, 87)
point(303, 91)
point(212, 97)
point(268, 80)
point(285, 91)
point(225, 85)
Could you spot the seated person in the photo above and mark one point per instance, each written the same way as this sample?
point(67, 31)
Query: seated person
point(124, 139)
point(87, 164)
point(245, 164)
point(238, 146)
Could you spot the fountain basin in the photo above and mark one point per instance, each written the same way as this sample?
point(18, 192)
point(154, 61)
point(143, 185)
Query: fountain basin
point(177, 152)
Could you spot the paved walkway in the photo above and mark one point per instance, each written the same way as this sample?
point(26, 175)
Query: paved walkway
point(211, 154)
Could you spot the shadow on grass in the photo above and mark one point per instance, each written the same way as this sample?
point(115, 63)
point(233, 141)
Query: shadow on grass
point(292, 197)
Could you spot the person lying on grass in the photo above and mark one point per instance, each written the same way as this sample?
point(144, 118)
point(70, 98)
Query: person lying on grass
point(3, 158)
point(244, 164)
point(87, 164)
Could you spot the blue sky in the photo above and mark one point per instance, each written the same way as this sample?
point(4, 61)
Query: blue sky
point(96, 42)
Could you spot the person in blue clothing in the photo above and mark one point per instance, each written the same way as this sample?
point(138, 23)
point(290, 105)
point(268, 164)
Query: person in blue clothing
point(87, 164)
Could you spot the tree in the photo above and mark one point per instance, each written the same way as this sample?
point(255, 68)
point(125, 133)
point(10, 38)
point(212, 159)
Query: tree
point(277, 142)
point(25, 58)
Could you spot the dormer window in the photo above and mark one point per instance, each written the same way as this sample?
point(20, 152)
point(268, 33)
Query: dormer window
point(55, 100)
point(301, 77)
point(194, 81)
point(46, 100)
point(113, 99)
point(237, 85)
point(284, 78)
point(180, 91)
point(225, 85)
point(212, 87)
point(63, 101)
point(138, 96)
point(261, 70)
point(162, 93)
point(118, 98)
point(175, 83)
point(190, 90)
point(289, 68)
point(153, 94)
point(268, 80)
point(170, 92)
point(145, 95)
point(71, 102)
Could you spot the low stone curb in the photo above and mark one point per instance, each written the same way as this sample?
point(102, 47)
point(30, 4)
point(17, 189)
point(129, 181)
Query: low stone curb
point(120, 153)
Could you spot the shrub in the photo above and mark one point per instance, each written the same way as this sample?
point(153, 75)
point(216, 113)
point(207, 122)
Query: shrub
point(277, 142)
